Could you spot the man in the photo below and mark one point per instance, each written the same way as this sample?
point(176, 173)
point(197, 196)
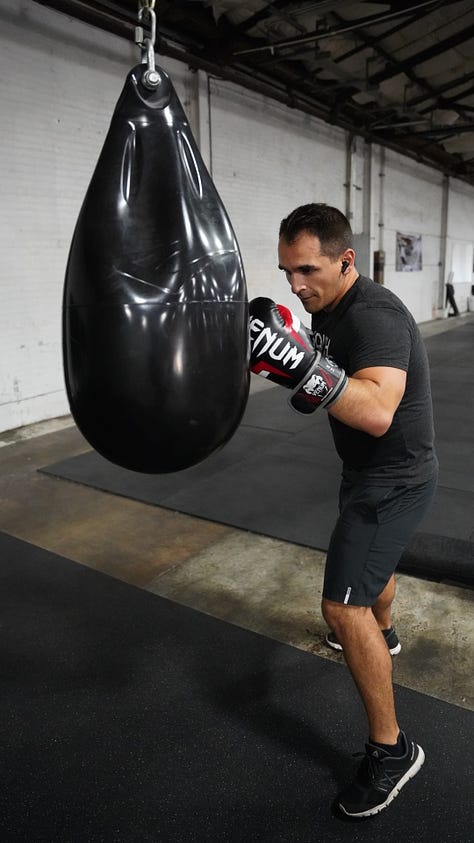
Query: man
point(365, 363)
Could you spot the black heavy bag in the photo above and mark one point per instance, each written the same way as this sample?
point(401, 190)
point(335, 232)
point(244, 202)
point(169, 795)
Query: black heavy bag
point(155, 313)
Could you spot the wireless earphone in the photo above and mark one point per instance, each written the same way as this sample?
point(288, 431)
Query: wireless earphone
point(344, 265)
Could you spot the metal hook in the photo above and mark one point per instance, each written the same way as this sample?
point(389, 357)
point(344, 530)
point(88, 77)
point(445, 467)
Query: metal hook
point(151, 78)
point(149, 13)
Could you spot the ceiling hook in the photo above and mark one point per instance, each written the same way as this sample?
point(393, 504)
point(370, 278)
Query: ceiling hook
point(151, 78)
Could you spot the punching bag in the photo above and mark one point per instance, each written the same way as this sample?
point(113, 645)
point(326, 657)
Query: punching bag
point(155, 311)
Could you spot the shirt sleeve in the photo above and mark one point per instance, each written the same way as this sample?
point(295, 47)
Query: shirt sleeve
point(381, 336)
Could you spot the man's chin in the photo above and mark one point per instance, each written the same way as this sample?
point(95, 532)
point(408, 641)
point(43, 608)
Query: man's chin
point(311, 305)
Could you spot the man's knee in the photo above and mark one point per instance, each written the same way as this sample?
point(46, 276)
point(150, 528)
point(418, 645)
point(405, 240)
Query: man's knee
point(340, 616)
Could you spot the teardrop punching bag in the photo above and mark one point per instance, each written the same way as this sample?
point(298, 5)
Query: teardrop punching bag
point(155, 310)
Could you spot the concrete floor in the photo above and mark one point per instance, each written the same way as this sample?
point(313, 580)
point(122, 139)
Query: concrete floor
point(268, 586)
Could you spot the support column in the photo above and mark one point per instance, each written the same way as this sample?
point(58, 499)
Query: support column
point(348, 183)
point(199, 113)
point(442, 246)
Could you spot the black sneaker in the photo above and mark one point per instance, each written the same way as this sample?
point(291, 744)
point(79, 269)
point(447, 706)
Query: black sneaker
point(390, 636)
point(380, 779)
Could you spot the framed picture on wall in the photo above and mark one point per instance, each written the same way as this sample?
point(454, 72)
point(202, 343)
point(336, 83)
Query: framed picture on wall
point(408, 253)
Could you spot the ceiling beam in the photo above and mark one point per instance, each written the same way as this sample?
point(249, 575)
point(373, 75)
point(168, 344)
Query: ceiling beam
point(401, 66)
point(285, 85)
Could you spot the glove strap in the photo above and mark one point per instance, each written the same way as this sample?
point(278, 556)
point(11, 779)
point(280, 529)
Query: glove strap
point(321, 386)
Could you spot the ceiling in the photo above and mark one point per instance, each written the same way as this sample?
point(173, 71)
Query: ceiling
point(399, 74)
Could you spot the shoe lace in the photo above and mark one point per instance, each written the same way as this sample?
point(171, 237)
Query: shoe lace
point(374, 767)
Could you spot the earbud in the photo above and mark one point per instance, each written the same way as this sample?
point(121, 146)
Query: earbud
point(344, 265)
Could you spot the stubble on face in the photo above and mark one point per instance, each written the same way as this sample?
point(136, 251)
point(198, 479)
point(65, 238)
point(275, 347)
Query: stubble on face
point(315, 278)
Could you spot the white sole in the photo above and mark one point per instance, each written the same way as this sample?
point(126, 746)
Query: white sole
point(334, 646)
point(396, 790)
point(393, 652)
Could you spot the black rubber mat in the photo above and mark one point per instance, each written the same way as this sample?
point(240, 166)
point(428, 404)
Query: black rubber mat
point(126, 717)
point(279, 475)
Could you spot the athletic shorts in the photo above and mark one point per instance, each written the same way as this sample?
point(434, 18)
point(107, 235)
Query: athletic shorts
point(374, 527)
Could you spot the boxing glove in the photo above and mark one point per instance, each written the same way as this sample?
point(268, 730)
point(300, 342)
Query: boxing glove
point(282, 350)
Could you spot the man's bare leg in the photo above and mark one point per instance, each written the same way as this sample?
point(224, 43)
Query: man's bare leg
point(370, 663)
point(381, 610)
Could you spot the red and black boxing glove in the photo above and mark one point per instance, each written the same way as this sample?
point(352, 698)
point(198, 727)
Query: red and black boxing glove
point(282, 350)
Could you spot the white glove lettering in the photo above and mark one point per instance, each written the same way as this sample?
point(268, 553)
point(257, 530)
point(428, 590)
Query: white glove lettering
point(270, 342)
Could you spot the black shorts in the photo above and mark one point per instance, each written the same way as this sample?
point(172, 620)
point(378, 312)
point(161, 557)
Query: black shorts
point(374, 527)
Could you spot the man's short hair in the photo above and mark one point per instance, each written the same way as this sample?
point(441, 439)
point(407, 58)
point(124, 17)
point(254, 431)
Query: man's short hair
point(323, 221)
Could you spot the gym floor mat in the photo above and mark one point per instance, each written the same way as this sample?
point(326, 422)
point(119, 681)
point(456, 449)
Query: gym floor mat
point(127, 717)
point(279, 474)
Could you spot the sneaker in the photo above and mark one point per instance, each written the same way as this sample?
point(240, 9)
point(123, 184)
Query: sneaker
point(390, 636)
point(380, 779)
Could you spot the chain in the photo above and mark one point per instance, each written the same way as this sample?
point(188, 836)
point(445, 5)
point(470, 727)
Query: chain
point(151, 78)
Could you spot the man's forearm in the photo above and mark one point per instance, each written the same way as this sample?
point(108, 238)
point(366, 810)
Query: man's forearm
point(367, 405)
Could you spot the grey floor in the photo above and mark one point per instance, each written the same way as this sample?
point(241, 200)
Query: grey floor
point(268, 586)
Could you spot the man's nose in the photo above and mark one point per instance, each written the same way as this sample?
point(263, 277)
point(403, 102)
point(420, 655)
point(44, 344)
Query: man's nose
point(297, 282)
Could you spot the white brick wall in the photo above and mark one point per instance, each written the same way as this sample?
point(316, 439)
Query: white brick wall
point(267, 159)
point(59, 82)
point(460, 243)
point(411, 205)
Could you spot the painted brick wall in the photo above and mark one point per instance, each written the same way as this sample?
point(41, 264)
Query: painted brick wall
point(413, 201)
point(59, 82)
point(460, 244)
point(412, 204)
point(266, 160)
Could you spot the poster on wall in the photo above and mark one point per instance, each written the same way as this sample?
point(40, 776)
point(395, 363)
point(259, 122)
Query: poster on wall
point(408, 253)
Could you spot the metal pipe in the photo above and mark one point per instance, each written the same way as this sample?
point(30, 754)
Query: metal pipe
point(443, 243)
